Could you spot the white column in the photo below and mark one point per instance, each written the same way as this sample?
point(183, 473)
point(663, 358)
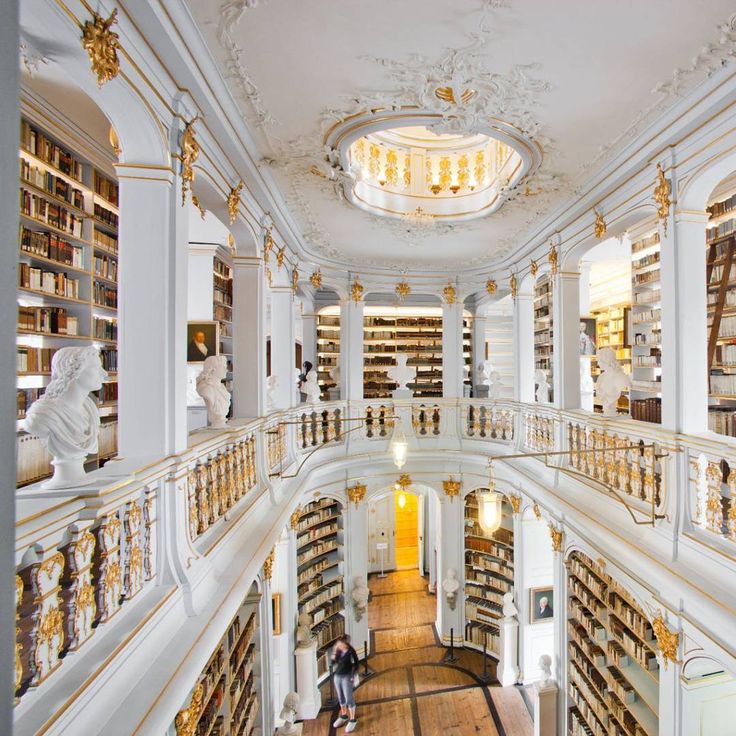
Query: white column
point(545, 709)
point(684, 324)
point(281, 660)
point(559, 656)
point(479, 347)
point(152, 405)
point(200, 283)
point(524, 348)
point(9, 126)
point(351, 350)
point(451, 545)
point(309, 338)
point(566, 329)
point(452, 350)
point(249, 337)
point(670, 697)
point(356, 564)
point(310, 698)
point(283, 361)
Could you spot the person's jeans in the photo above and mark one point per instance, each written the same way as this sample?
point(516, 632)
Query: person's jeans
point(344, 687)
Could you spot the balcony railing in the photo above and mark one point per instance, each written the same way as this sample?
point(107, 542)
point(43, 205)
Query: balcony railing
point(83, 559)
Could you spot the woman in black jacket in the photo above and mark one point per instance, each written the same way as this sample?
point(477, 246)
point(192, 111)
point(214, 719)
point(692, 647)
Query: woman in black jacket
point(345, 660)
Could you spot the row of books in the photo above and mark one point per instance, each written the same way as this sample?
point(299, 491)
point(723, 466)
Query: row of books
point(54, 185)
point(108, 242)
point(33, 360)
point(720, 231)
point(720, 208)
point(725, 385)
point(727, 327)
point(41, 209)
point(722, 421)
point(647, 277)
point(647, 260)
point(48, 245)
point(649, 315)
point(645, 243)
point(104, 215)
point(106, 267)
point(50, 282)
point(50, 320)
point(104, 329)
point(105, 296)
point(725, 355)
point(109, 358)
point(24, 398)
point(106, 188)
point(35, 142)
point(647, 410)
point(647, 297)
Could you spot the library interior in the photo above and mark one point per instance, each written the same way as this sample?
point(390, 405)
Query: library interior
point(370, 367)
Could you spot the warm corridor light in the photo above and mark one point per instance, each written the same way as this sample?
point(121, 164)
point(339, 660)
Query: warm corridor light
point(401, 500)
point(399, 446)
point(489, 511)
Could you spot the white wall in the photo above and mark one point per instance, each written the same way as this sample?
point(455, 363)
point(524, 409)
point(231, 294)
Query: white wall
point(709, 706)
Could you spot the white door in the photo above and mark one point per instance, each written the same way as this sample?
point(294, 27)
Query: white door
point(381, 531)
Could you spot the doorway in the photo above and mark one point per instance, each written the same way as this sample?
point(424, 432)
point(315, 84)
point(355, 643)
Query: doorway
point(406, 515)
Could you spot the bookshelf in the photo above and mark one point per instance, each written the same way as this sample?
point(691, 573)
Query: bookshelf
point(613, 673)
point(489, 573)
point(414, 332)
point(222, 303)
point(67, 280)
point(319, 559)
point(543, 333)
point(230, 681)
point(646, 326)
point(328, 347)
point(721, 291)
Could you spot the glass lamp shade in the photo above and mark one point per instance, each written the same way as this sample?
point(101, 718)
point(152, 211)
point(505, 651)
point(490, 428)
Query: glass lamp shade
point(399, 446)
point(401, 500)
point(489, 511)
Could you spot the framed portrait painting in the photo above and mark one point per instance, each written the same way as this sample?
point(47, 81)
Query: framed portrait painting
point(587, 336)
point(541, 604)
point(203, 340)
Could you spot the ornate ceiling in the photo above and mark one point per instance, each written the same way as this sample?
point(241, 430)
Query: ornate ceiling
point(575, 82)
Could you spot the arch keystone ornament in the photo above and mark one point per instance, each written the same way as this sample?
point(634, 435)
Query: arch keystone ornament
point(102, 45)
point(451, 487)
point(356, 493)
point(662, 192)
point(515, 502)
point(557, 536)
point(667, 640)
point(403, 290)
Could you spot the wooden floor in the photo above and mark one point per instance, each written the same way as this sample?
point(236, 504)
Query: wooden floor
point(413, 692)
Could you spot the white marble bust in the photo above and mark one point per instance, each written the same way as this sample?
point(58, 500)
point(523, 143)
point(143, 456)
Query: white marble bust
point(311, 388)
point(271, 383)
point(540, 378)
point(65, 418)
point(611, 382)
point(335, 375)
point(304, 631)
point(483, 372)
point(494, 385)
point(215, 396)
point(509, 608)
point(401, 373)
point(545, 669)
point(288, 715)
point(450, 586)
point(360, 595)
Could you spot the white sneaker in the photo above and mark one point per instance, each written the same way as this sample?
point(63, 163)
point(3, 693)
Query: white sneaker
point(351, 726)
point(341, 721)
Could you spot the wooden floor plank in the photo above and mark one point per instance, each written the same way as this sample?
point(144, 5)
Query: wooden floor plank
point(512, 709)
point(459, 713)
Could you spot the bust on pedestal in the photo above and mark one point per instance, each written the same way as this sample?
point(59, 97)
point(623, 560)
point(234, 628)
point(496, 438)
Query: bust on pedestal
point(401, 374)
point(482, 375)
point(508, 664)
point(450, 586)
point(334, 391)
point(289, 715)
point(311, 388)
point(611, 382)
point(360, 595)
point(65, 418)
point(540, 379)
point(310, 699)
point(545, 700)
point(215, 396)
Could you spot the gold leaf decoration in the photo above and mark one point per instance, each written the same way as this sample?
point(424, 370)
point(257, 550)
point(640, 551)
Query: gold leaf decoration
point(514, 286)
point(450, 294)
point(403, 290)
point(667, 640)
point(491, 286)
point(600, 227)
point(552, 259)
point(356, 290)
point(268, 565)
point(188, 155)
point(294, 518)
point(233, 201)
point(316, 279)
point(662, 192)
point(102, 45)
point(451, 488)
point(515, 502)
point(356, 493)
point(556, 535)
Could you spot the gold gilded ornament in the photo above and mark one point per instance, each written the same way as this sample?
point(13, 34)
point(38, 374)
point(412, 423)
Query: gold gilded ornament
point(451, 488)
point(552, 259)
point(556, 536)
point(533, 268)
point(356, 493)
point(197, 204)
point(188, 155)
point(404, 481)
point(600, 227)
point(491, 286)
point(316, 279)
point(662, 192)
point(537, 511)
point(356, 290)
point(268, 565)
point(514, 286)
point(294, 518)
point(294, 280)
point(515, 502)
point(233, 201)
point(403, 290)
point(450, 294)
point(280, 256)
point(102, 45)
point(186, 720)
point(667, 640)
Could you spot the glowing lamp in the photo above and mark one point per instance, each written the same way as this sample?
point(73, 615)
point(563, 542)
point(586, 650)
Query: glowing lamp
point(401, 500)
point(489, 505)
point(399, 446)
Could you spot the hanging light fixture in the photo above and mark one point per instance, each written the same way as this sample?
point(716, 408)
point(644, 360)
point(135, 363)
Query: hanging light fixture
point(400, 487)
point(399, 446)
point(401, 500)
point(489, 505)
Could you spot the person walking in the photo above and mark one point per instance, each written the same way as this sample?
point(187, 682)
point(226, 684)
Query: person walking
point(346, 662)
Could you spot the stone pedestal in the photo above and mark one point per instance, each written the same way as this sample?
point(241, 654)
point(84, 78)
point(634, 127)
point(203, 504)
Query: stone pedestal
point(310, 699)
point(402, 393)
point(508, 663)
point(295, 731)
point(480, 391)
point(545, 708)
point(334, 393)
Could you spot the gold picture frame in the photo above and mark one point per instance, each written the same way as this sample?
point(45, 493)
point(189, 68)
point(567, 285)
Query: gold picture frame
point(276, 613)
point(536, 614)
